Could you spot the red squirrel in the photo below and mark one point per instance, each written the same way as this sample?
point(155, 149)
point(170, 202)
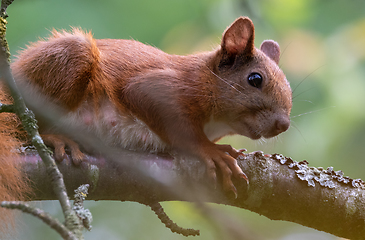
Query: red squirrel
point(137, 97)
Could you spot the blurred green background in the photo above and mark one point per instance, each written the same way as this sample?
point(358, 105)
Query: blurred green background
point(323, 56)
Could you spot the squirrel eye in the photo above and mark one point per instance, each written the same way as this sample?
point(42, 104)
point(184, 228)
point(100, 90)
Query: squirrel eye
point(255, 80)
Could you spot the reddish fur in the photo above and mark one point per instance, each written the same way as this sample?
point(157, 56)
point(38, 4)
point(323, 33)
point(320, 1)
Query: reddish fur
point(13, 185)
point(175, 96)
point(72, 62)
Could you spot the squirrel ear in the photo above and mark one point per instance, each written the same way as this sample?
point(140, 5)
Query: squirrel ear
point(239, 37)
point(271, 49)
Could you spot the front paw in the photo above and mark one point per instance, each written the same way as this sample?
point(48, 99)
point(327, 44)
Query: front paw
point(224, 156)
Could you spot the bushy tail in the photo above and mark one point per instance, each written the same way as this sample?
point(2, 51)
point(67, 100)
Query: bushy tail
point(13, 184)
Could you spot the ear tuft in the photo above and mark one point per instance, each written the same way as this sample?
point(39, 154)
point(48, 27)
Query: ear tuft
point(271, 49)
point(239, 37)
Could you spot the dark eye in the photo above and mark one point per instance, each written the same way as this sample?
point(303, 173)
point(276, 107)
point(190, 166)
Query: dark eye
point(255, 80)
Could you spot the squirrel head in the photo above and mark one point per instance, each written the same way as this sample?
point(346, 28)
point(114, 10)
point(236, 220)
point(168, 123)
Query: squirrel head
point(258, 93)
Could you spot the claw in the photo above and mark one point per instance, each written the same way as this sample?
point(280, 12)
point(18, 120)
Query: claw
point(77, 156)
point(229, 186)
point(244, 176)
point(60, 154)
point(242, 150)
point(234, 190)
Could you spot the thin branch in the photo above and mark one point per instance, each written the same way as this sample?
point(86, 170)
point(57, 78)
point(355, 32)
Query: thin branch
point(42, 215)
point(159, 211)
point(84, 214)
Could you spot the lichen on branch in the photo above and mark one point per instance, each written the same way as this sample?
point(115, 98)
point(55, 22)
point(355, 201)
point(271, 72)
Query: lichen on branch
point(277, 189)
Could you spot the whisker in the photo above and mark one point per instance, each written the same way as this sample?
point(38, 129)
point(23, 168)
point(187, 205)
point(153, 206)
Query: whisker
point(304, 100)
point(311, 112)
point(223, 80)
point(282, 53)
point(276, 139)
point(303, 92)
point(307, 77)
point(301, 134)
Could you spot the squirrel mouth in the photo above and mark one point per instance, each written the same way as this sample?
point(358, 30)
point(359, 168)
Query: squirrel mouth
point(254, 135)
point(247, 131)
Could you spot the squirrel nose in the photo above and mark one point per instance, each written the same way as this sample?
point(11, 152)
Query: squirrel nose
point(282, 124)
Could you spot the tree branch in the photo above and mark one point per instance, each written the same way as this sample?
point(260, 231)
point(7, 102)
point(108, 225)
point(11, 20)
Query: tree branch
point(279, 189)
point(42, 215)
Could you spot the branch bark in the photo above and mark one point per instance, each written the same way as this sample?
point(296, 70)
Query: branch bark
point(280, 188)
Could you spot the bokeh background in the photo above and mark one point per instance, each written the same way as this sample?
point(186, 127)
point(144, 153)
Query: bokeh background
point(323, 56)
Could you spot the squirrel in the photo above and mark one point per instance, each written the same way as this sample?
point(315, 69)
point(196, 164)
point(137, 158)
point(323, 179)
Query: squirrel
point(137, 97)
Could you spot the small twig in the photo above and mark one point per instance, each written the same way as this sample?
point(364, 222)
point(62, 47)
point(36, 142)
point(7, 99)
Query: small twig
point(84, 214)
point(4, 6)
point(42, 215)
point(161, 214)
